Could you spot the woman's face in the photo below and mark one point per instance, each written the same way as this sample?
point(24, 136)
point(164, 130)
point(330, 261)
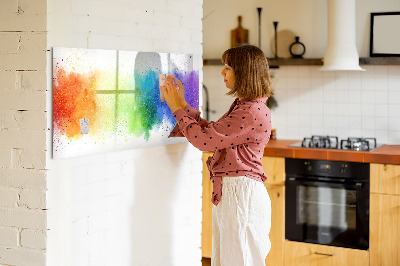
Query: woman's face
point(229, 76)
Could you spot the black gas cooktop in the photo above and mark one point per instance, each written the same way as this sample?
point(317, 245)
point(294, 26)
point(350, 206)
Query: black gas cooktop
point(332, 142)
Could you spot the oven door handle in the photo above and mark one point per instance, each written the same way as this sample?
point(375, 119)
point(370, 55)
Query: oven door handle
point(357, 185)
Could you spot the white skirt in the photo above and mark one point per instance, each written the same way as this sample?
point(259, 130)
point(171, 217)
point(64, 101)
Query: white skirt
point(241, 223)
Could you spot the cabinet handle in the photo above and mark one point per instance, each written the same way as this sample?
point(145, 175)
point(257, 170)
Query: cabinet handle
point(325, 254)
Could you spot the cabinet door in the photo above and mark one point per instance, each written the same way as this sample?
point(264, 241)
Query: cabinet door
point(385, 178)
point(274, 168)
point(206, 232)
point(277, 233)
point(384, 236)
point(305, 254)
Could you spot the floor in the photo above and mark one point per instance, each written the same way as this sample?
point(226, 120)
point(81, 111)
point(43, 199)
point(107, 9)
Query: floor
point(206, 261)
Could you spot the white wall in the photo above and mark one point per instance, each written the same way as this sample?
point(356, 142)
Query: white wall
point(23, 133)
point(132, 207)
point(311, 102)
point(304, 18)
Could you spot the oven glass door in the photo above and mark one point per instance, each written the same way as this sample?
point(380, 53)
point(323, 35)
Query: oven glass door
point(326, 213)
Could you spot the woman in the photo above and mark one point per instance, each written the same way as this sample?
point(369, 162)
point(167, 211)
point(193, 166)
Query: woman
point(242, 208)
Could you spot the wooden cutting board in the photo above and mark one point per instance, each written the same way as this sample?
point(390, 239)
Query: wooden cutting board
point(239, 35)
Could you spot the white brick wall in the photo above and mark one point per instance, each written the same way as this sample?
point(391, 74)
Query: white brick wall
point(133, 207)
point(23, 127)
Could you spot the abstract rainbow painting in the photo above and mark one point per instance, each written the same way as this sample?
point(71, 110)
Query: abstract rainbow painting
point(105, 100)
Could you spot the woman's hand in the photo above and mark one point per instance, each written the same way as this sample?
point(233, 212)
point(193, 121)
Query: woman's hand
point(181, 91)
point(172, 90)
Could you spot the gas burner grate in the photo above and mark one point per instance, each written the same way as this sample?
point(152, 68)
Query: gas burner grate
point(358, 144)
point(327, 142)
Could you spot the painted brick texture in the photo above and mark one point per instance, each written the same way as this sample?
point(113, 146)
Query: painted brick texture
point(23, 218)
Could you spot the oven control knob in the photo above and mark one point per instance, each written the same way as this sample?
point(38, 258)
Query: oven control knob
point(308, 166)
point(343, 168)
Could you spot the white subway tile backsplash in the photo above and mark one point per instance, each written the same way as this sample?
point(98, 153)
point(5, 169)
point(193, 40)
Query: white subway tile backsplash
point(367, 110)
point(329, 109)
point(382, 123)
point(317, 95)
point(329, 122)
point(305, 95)
point(367, 96)
point(304, 72)
point(342, 122)
point(316, 82)
point(329, 93)
point(394, 137)
point(367, 133)
point(394, 97)
point(304, 109)
point(381, 97)
point(342, 133)
point(355, 96)
point(293, 120)
point(394, 83)
point(368, 122)
point(394, 123)
point(355, 132)
point(292, 83)
point(317, 131)
point(328, 74)
point(380, 71)
point(342, 96)
point(355, 109)
point(393, 71)
point(291, 71)
point(381, 110)
point(354, 80)
point(316, 72)
point(342, 109)
point(342, 81)
point(355, 122)
point(303, 82)
point(381, 136)
point(352, 102)
point(394, 110)
point(317, 107)
point(381, 84)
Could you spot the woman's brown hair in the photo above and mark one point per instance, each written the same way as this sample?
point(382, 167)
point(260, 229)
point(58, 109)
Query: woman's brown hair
point(250, 66)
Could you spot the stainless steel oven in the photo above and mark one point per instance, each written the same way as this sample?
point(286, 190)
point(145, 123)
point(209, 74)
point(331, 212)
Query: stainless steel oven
point(327, 202)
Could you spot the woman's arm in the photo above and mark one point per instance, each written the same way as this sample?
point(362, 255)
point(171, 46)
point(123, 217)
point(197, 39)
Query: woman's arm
point(175, 98)
point(239, 127)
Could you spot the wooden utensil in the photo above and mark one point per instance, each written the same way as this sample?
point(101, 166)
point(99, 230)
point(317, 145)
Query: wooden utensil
point(239, 35)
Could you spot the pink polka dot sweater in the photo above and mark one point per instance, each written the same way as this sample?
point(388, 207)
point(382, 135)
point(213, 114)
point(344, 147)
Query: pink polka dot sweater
point(238, 139)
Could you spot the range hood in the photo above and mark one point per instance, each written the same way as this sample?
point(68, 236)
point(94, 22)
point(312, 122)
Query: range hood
point(341, 51)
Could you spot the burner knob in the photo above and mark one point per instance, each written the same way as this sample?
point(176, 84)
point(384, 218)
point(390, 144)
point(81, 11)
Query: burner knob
point(343, 168)
point(308, 166)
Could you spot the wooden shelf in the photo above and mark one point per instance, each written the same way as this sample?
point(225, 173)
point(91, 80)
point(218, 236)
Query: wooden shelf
point(274, 63)
point(380, 61)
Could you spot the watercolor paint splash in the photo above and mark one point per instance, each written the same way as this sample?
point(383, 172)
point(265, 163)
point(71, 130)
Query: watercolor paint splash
point(74, 97)
point(121, 107)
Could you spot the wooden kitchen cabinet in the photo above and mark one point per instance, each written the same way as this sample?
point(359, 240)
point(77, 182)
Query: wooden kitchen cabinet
point(384, 236)
point(206, 225)
point(277, 233)
point(274, 168)
point(305, 254)
point(385, 178)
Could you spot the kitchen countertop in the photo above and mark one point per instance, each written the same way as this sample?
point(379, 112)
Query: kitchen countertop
point(389, 154)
